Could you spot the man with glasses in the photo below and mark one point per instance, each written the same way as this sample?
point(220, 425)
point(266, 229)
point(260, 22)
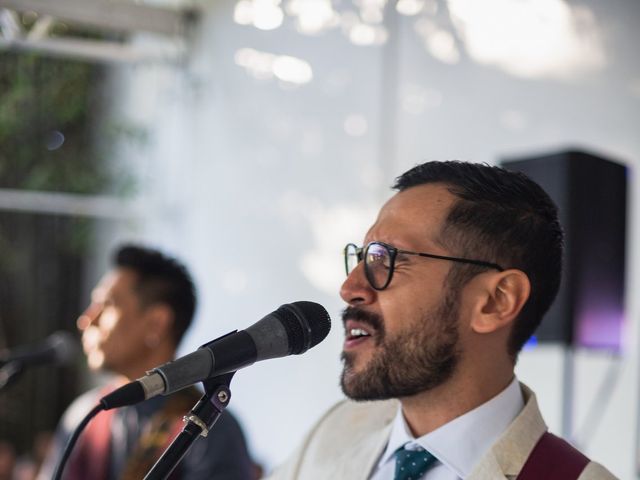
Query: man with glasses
point(453, 278)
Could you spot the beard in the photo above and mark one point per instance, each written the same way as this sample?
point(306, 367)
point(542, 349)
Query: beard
point(416, 359)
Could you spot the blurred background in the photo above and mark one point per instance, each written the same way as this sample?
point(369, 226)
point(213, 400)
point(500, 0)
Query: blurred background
point(254, 138)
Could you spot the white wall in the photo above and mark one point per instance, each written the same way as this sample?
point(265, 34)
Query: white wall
point(257, 185)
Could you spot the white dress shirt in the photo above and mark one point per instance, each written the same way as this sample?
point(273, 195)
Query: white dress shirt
point(459, 444)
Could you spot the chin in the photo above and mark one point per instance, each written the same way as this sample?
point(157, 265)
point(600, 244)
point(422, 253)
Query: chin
point(353, 386)
point(95, 361)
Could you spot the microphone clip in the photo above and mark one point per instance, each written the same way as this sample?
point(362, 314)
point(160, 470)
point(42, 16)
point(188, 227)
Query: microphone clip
point(198, 422)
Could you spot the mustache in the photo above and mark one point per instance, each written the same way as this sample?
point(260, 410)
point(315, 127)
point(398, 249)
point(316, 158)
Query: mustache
point(372, 319)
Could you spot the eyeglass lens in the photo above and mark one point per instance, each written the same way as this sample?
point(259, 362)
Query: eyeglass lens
point(352, 256)
point(377, 265)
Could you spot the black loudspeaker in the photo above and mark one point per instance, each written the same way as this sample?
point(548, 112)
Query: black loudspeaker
point(591, 194)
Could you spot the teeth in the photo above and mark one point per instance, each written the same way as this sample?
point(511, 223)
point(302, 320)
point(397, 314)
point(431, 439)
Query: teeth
point(358, 332)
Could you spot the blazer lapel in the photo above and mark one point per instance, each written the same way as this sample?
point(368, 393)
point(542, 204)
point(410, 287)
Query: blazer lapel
point(508, 455)
point(488, 468)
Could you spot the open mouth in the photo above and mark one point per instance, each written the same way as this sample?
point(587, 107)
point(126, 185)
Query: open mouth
point(357, 333)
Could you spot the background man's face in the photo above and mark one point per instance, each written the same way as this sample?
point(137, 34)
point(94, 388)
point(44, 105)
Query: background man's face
point(113, 330)
point(413, 324)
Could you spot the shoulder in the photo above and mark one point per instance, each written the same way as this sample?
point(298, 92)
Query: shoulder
point(521, 436)
point(350, 422)
point(72, 416)
point(595, 471)
point(227, 431)
point(346, 431)
point(532, 418)
point(525, 445)
point(359, 418)
point(79, 408)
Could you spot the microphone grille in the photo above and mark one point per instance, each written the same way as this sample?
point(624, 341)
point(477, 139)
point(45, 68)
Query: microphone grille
point(306, 324)
point(64, 347)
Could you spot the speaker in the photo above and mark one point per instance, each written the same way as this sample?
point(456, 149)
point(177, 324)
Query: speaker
point(591, 194)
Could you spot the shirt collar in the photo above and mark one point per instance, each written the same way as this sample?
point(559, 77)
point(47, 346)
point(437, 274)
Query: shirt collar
point(461, 443)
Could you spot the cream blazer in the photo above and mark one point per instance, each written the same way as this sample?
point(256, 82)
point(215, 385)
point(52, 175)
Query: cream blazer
point(348, 440)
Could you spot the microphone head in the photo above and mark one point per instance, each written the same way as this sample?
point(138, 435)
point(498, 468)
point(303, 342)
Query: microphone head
point(64, 347)
point(59, 348)
point(306, 324)
point(291, 330)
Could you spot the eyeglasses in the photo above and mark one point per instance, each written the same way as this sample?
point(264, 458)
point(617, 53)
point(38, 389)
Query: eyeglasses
point(380, 258)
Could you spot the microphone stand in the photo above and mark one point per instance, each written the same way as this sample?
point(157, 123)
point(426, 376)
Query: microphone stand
point(198, 423)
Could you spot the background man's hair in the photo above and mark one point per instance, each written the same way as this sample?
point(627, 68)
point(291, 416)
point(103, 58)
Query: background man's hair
point(161, 279)
point(502, 217)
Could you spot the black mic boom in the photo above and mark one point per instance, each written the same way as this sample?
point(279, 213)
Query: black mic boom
point(291, 330)
point(59, 348)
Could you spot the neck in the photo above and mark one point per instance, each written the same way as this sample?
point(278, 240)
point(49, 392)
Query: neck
point(152, 358)
point(429, 410)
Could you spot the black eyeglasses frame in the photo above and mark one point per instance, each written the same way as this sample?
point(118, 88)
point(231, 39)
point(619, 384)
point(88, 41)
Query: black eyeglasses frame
point(393, 253)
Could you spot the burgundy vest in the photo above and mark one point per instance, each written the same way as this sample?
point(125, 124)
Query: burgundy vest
point(553, 459)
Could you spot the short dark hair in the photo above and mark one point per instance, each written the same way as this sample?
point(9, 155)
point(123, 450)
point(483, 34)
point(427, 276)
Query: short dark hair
point(503, 217)
point(161, 279)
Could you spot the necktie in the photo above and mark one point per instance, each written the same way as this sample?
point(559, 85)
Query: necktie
point(412, 464)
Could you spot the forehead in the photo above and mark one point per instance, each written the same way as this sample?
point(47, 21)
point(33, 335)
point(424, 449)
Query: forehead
point(114, 283)
point(413, 217)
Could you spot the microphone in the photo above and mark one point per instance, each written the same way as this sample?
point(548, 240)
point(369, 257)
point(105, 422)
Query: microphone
point(59, 348)
point(291, 330)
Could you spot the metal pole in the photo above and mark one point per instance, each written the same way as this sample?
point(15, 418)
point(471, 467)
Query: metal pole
point(568, 383)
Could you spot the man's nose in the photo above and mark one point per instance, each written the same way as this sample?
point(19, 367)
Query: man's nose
point(356, 289)
point(89, 317)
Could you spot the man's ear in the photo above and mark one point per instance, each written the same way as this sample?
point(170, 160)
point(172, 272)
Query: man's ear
point(502, 296)
point(159, 320)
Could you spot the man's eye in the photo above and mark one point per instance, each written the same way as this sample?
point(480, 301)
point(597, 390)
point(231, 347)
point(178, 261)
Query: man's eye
point(377, 260)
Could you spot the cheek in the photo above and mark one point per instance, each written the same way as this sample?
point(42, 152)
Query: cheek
point(409, 309)
point(405, 294)
point(397, 314)
point(91, 338)
point(108, 321)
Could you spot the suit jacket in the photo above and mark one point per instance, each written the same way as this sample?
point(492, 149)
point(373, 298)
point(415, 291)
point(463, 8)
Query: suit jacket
point(348, 440)
point(223, 455)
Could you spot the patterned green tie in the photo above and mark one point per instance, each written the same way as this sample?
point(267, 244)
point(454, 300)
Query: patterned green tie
point(412, 464)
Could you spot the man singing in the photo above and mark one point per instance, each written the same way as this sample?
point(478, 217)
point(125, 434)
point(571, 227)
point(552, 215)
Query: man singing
point(452, 279)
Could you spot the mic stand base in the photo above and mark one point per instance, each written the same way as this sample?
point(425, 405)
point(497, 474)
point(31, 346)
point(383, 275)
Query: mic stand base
point(198, 422)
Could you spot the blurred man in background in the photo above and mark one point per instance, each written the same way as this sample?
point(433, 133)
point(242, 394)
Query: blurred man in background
point(138, 314)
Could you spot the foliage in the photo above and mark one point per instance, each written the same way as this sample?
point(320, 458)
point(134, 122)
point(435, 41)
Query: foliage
point(49, 111)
